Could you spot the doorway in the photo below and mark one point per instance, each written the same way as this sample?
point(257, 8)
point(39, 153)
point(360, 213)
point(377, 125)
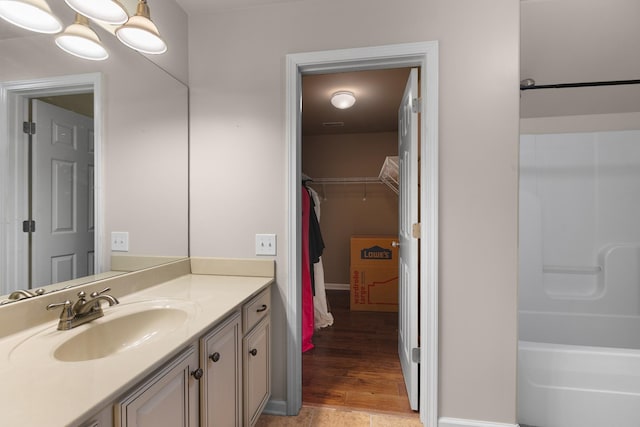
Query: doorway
point(347, 162)
point(421, 55)
point(75, 181)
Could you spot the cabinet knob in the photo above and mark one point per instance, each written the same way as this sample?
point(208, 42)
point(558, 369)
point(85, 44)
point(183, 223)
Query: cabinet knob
point(215, 357)
point(197, 374)
point(253, 352)
point(262, 308)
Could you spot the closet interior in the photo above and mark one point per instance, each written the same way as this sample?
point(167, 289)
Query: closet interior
point(350, 187)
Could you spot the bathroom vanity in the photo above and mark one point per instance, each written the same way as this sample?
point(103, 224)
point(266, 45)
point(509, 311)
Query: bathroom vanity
point(187, 345)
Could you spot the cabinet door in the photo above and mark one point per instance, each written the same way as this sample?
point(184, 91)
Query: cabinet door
point(257, 370)
point(221, 385)
point(168, 398)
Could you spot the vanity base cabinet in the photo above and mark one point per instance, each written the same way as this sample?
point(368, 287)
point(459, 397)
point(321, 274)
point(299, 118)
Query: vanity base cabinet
point(257, 372)
point(168, 398)
point(103, 418)
point(221, 384)
point(222, 379)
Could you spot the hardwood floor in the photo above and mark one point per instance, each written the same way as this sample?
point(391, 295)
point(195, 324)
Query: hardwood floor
point(355, 362)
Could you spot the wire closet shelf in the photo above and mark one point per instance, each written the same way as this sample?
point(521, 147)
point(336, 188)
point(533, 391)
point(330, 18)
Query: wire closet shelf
point(388, 176)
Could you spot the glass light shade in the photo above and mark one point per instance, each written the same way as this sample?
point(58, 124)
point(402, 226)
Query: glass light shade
point(109, 11)
point(140, 33)
point(33, 15)
point(80, 40)
point(343, 99)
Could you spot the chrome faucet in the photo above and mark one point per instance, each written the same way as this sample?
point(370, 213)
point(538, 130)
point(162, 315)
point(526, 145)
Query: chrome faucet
point(22, 294)
point(82, 311)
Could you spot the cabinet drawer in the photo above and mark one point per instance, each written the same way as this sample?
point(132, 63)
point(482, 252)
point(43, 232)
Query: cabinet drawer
point(256, 309)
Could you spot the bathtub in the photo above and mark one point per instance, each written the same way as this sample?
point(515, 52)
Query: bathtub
point(578, 370)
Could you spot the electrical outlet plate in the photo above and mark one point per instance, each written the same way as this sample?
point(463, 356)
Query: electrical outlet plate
point(266, 244)
point(120, 241)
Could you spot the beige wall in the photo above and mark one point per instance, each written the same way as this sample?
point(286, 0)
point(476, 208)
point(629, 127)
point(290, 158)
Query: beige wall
point(601, 45)
point(238, 163)
point(344, 213)
point(581, 123)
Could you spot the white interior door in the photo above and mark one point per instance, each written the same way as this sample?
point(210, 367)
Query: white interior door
point(408, 311)
point(63, 195)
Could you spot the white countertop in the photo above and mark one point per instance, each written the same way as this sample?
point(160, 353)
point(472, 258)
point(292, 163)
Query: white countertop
point(36, 389)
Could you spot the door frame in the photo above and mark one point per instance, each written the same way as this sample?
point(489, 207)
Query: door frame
point(13, 111)
point(425, 56)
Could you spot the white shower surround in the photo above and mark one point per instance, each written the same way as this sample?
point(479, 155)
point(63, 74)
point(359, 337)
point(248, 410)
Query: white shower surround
point(579, 294)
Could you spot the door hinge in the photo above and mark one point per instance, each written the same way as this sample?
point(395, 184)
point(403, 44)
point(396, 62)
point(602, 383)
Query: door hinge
point(29, 226)
point(415, 355)
point(29, 128)
point(415, 231)
point(416, 105)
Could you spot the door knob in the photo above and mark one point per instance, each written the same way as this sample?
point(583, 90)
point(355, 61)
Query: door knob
point(215, 357)
point(253, 352)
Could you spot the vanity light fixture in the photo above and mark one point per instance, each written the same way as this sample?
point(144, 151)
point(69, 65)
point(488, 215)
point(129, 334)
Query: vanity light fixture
point(137, 32)
point(109, 11)
point(33, 15)
point(343, 99)
point(80, 40)
point(140, 33)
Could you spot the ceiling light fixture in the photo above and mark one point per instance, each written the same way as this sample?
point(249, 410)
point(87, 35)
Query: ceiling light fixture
point(109, 11)
point(33, 15)
point(140, 33)
point(343, 99)
point(80, 40)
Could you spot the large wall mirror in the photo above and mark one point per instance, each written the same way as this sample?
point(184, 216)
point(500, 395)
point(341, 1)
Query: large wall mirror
point(130, 117)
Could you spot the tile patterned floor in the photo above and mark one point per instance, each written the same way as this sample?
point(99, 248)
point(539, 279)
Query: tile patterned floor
point(311, 416)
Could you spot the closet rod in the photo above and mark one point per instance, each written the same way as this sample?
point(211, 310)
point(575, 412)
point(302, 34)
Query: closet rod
point(530, 84)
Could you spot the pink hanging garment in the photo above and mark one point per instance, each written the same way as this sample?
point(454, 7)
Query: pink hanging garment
point(307, 293)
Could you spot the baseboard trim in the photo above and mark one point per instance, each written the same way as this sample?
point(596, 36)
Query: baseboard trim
point(276, 407)
point(458, 422)
point(337, 286)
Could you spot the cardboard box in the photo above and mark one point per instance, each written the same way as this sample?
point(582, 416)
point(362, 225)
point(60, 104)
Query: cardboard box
point(374, 289)
point(374, 273)
point(374, 251)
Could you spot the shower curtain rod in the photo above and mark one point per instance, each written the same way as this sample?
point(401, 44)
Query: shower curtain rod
point(585, 84)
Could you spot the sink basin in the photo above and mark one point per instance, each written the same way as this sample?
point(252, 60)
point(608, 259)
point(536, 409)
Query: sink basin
point(120, 334)
point(124, 327)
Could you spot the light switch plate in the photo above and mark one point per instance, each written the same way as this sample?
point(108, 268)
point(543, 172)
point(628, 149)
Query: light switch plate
point(120, 241)
point(266, 244)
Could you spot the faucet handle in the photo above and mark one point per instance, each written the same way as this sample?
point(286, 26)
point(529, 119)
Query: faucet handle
point(66, 304)
point(95, 293)
point(67, 311)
